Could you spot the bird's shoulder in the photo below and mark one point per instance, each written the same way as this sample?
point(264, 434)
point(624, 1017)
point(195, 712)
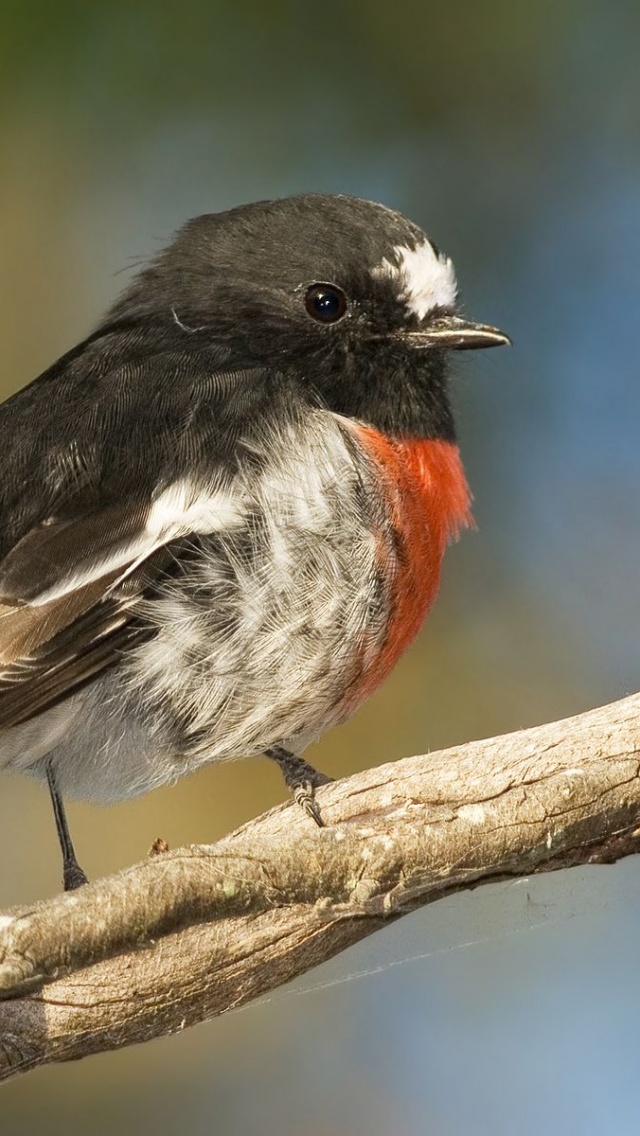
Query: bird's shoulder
point(116, 421)
point(126, 446)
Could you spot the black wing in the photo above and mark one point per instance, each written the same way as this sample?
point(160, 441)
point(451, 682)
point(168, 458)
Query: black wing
point(87, 453)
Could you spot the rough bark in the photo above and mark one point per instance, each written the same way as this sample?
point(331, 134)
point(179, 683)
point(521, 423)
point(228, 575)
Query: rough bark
point(186, 935)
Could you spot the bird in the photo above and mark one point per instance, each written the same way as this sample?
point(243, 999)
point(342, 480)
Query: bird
point(223, 513)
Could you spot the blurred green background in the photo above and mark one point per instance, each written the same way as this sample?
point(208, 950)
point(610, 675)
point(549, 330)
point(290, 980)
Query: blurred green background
point(511, 132)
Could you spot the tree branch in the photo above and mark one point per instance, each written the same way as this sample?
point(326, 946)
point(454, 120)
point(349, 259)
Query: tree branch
point(186, 935)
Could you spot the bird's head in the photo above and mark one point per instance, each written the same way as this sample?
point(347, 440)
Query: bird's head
point(348, 298)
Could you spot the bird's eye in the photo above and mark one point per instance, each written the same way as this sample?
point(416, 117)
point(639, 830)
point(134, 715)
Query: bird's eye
point(325, 302)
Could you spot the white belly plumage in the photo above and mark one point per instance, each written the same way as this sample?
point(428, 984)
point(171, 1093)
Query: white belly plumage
point(256, 641)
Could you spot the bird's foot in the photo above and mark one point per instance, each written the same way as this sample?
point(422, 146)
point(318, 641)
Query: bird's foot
point(301, 780)
point(72, 875)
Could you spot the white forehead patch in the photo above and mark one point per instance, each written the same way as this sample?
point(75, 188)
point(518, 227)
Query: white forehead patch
point(426, 279)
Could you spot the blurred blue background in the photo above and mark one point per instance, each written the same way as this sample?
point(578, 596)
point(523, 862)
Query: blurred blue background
point(510, 131)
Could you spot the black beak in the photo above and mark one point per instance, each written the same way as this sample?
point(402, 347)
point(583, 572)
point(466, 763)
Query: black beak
point(451, 333)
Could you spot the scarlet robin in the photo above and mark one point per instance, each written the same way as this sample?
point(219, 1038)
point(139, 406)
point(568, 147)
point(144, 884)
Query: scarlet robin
point(224, 513)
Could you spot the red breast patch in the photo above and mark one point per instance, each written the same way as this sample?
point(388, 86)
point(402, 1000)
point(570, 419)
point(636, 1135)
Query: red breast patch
point(428, 501)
